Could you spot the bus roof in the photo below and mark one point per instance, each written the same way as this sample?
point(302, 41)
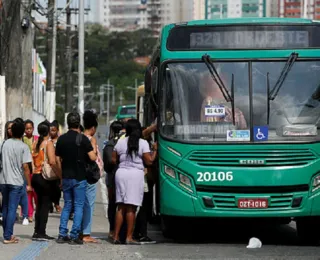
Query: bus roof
point(269, 20)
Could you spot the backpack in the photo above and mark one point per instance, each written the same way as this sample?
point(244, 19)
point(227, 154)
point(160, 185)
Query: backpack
point(107, 154)
point(91, 168)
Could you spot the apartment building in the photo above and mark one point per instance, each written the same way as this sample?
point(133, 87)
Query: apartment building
point(299, 8)
point(215, 9)
point(199, 9)
point(129, 15)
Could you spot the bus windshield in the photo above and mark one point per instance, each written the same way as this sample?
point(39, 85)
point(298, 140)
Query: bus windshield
point(193, 108)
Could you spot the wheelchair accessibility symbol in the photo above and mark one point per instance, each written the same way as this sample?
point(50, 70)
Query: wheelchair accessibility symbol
point(260, 133)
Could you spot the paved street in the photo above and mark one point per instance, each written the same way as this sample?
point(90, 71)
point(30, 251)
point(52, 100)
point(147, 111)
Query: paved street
point(208, 243)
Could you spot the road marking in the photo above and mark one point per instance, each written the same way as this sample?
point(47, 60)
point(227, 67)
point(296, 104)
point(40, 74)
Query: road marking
point(32, 251)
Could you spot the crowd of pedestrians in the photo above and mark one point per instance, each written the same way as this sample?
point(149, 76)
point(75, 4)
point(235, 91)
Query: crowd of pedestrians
point(36, 169)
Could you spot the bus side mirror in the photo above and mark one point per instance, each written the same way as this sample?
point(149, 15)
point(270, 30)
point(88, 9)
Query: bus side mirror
point(154, 82)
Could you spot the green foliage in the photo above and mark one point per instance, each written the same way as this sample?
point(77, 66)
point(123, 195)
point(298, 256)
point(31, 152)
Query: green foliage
point(111, 56)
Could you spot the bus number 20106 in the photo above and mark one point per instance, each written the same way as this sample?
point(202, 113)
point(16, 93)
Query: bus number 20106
point(214, 176)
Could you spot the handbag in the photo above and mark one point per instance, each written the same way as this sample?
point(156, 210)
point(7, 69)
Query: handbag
point(91, 168)
point(47, 171)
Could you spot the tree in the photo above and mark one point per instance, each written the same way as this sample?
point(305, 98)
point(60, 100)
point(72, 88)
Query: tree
point(111, 56)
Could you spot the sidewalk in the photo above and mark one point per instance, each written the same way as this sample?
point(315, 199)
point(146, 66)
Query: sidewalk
point(26, 249)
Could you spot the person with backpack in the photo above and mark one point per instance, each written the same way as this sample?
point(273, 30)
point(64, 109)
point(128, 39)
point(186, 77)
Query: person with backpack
point(72, 149)
point(116, 132)
point(90, 121)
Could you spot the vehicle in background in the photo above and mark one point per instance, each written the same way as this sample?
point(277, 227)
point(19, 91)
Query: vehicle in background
point(125, 112)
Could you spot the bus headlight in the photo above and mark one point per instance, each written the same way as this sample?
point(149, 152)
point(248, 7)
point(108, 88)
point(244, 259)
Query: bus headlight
point(185, 182)
point(169, 171)
point(316, 183)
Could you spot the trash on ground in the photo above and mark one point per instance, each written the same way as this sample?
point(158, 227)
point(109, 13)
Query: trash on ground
point(254, 243)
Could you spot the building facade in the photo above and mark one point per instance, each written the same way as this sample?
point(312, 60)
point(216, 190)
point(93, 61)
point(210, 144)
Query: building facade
point(215, 9)
point(199, 9)
point(299, 9)
point(122, 15)
point(130, 15)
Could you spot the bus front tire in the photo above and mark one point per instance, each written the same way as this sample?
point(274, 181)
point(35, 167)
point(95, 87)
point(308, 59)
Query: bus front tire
point(308, 230)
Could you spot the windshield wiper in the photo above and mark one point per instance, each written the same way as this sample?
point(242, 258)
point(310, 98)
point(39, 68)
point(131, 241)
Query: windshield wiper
point(268, 93)
point(284, 73)
point(215, 76)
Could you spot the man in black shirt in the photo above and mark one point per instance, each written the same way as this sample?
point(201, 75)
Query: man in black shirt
point(71, 158)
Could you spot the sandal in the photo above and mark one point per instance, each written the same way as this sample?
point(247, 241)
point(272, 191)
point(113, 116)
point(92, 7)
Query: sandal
point(58, 209)
point(132, 242)
point(13, 240)
point(116, 242)
point(89, 239)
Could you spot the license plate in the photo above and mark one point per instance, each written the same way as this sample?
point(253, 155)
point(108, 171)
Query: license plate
point(252, 203)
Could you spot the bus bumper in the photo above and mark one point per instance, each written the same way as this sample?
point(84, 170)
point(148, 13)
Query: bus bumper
point(177, 201)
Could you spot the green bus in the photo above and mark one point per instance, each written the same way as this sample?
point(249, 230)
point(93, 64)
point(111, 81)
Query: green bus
point(237, 104)
point(124, 112)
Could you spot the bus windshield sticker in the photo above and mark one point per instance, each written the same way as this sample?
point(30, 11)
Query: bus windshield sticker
point(260, 133)
point(298, 130)
point(215, 111)
point(238, 135)
point(210, 129)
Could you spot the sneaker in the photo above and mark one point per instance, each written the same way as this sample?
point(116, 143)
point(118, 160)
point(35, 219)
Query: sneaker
point(63, 240)
point(25, 222)
point(146, 240)
point(38, 237)
point(76, 241)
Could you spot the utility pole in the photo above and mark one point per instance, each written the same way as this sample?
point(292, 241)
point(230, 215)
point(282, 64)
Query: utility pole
point(51, 4)
point(53, 64)
point(68, 83)
point(81, 58)
point(108, 104)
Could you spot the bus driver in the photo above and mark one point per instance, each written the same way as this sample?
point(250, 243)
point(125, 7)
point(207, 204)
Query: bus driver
point(214, 107)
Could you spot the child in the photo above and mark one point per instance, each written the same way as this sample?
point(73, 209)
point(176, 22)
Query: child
point(29, 139)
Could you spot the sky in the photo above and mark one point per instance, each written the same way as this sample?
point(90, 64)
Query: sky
point(92, 4)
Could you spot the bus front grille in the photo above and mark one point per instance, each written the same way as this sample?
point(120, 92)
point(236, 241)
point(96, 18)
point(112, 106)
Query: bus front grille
point(275, 202)
point(253, 158)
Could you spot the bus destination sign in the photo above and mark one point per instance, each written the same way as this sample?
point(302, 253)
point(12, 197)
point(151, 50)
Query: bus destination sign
point(249, 39)
point(244, 37)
